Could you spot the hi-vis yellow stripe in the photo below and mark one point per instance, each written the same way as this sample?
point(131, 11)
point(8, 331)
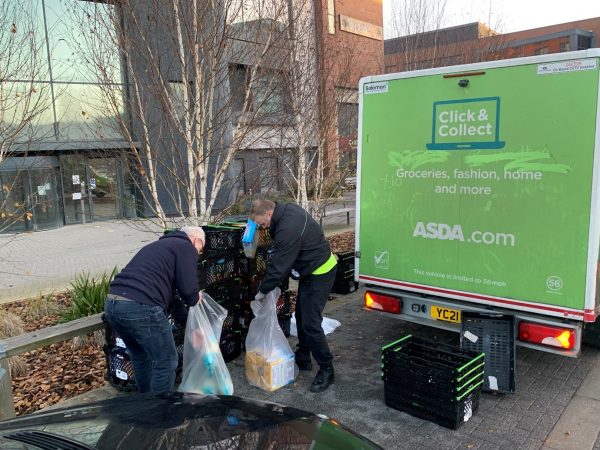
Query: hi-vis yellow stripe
point(327, 266)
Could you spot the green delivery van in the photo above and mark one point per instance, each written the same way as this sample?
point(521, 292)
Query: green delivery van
point(478, 190)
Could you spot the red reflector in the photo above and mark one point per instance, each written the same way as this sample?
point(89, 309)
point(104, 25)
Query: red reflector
point(547, 335)
point(382, 302)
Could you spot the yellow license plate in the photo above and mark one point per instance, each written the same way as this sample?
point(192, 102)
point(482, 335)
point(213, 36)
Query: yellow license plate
point(445, 314)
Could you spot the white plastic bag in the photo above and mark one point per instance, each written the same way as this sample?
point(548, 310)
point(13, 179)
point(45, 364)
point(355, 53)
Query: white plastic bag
point(269, 357)
point(204, 370)
point(328, 325)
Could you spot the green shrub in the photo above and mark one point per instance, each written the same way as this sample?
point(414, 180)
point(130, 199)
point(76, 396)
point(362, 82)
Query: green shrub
point(88, 296)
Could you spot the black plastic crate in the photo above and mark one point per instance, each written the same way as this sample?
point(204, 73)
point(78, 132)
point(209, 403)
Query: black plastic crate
point(442, 367)
point(447, 413)
point(258, 264)
point(230, 345)
point(420, 382)
point(264, 238)
point(345, 261)
point(221, 239)
point(213, 270)
point(227, 293)
point(232, 321)
point(444, 403)
point(493, 334)
point(433, 381)
point(344, 285)
point(409, 345)
point(284, 305)
point(119, 370)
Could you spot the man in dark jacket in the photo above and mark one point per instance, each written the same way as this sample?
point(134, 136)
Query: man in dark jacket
point(142, 296)
point(300, 246)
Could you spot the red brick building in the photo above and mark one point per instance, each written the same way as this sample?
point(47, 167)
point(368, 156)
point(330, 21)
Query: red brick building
point(349, 46)
point(476, 42)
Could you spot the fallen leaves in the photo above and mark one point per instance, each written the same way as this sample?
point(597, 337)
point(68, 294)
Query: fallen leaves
point(56, 372)
point(343, 242)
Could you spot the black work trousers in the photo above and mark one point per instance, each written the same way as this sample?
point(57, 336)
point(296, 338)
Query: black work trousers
point(313, 293)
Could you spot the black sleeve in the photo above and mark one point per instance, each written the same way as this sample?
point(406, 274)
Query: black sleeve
point(186, 275)
point(287, 246)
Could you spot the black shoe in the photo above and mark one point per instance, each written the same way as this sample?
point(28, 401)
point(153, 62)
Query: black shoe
point(323, 379)
point(303, 360)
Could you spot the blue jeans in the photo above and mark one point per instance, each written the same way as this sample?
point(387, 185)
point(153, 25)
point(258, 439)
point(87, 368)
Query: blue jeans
point(148, 335)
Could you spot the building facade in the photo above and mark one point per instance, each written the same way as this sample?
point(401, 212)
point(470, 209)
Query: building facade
point(77, 119)
point(476, 42)
point(61, 158)
point(349, 46)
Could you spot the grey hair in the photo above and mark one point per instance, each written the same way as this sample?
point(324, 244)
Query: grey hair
point(195, 232)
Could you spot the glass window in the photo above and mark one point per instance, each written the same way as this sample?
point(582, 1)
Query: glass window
point(15, 214)
point(75, 193)
point(102, 186)
point(44, 196)
point(82, 41)
point(86, 111)
point(584, 42)
point(25, 112)
point(238, 84)
point(22, 41)
point(272, 95)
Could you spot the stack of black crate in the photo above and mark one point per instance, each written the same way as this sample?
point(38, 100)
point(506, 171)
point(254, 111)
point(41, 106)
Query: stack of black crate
point(252, 271)
point(232, 280)
point(218, 276)
point(344, 280)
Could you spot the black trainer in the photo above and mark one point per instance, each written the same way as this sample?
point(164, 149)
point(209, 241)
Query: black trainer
point(303, 360)
point(323, 379)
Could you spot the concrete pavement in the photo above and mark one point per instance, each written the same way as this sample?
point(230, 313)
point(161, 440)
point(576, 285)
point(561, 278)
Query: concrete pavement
point(38, 263)
point(41, 262)
point(557, 404)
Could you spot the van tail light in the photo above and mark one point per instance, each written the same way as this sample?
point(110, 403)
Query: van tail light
point(382, 302)
point(547, 335)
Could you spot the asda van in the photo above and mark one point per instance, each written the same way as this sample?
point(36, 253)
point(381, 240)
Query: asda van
point(478, 192)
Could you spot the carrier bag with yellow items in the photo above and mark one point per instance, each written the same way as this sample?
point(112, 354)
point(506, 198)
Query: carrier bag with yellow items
point(269, 357)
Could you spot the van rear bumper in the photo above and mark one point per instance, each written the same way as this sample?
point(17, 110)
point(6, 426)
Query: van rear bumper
point(418, 308)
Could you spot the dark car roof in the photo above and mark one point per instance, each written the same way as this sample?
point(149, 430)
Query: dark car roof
point(178, 421)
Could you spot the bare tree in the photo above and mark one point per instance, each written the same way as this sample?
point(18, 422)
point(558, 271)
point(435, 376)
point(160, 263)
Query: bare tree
point(186, 125)
point(423, 43)
point(323, 79)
